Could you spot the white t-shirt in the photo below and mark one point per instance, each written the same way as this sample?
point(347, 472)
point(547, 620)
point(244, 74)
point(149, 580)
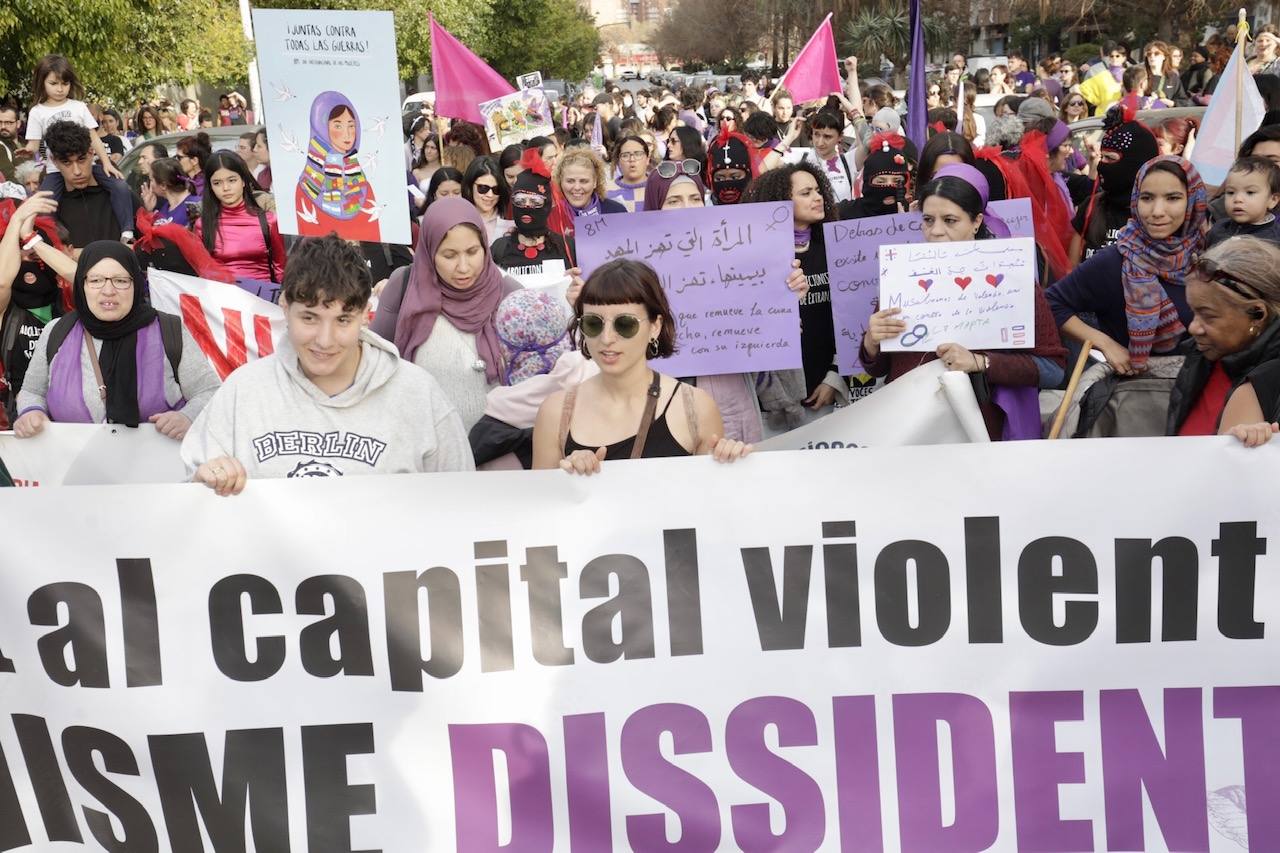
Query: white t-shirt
point(841, 177)
point(43, 115)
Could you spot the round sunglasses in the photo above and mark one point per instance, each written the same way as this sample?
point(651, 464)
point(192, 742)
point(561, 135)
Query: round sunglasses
point(670, 168)
point(626, 325)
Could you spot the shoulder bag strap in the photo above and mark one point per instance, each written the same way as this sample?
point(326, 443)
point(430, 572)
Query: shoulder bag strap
point(566, 415)
point(266, 238)
point(650, 407)
point(97, 368)
point(686, 398)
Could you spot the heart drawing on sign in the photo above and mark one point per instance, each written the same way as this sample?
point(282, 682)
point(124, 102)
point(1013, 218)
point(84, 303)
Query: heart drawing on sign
point(964, 281)
point(994, 280)
point(925, 284)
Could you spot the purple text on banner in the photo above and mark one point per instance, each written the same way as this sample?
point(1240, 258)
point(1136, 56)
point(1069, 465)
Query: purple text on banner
point(855, 282)
point(724, 270)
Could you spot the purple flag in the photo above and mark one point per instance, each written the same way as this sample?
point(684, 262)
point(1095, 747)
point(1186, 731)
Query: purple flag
point(917, 114)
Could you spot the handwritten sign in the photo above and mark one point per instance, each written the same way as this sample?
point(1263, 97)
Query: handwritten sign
point(724, 270)
point(977, 293)
point(851, 260)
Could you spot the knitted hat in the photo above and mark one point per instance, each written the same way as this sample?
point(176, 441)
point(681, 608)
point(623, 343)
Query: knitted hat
point(1032, 109)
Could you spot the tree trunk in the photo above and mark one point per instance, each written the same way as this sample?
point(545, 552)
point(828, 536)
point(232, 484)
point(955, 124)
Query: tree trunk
point(786, 35)
point(775, 24)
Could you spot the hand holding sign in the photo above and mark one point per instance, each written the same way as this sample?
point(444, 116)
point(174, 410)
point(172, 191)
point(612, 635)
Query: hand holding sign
point(974, 295)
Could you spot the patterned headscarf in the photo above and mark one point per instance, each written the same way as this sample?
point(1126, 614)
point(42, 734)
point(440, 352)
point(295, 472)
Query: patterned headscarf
point(1148, 265)
point(333, 179)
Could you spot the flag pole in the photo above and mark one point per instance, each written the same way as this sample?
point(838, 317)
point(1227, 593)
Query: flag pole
point(1242, 35)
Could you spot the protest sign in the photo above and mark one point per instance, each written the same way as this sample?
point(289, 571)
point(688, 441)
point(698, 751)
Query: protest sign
point(724, 270)
point(928, 405)
point(230, 324)
point(554, 279)
point(333, 122)
point(516, 118)
point(980, 294)
point(882, 663)
point(92, 455)
point(851, 260)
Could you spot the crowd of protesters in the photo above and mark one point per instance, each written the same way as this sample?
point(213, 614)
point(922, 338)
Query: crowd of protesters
point(1137, 259)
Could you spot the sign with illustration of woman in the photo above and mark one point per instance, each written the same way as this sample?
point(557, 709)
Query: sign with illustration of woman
point(333, 193)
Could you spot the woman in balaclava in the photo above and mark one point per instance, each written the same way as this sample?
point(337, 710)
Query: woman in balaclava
point(1126, 145)
point(333, 193)
point(534, 242)
point(886, 178)
point(730, 167)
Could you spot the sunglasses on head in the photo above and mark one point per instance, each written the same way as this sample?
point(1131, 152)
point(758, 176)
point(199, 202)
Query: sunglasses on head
point(670, 168)
point(626, 325)
point(485, 189)
point(1210, 271)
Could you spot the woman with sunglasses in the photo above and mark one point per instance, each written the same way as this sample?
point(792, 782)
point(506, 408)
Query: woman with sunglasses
point(628, 410)
point(1135, 291)
point(1074, 108)
point(631, 161)
point(685, 143)
point(117, 360)
point(486, 188)
point(1230, 380)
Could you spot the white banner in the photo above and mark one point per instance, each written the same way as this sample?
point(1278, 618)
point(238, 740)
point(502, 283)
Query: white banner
point(928, 405)
point(92, 455)
point(230, 325)
point(919, 650)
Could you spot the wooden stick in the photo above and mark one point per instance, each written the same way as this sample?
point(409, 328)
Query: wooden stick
point(1242, 34)
point(1061, 417)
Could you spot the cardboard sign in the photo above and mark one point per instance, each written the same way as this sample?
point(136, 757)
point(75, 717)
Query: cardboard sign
point(977, 293)
point(515, 118)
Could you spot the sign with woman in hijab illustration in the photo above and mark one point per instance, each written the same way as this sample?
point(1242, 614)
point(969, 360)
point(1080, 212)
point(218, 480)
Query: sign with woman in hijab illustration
point(331, 104)
point(333, 193)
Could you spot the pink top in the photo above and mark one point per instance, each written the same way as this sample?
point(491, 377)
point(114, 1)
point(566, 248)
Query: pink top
point(240, 246)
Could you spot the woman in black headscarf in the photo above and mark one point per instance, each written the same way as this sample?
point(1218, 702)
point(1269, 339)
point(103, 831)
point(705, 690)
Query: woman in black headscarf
point(115, 359)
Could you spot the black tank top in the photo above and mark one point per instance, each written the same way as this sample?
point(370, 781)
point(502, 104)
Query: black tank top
point(660, 443)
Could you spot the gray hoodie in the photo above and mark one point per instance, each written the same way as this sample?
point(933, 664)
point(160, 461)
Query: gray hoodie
point(393, 419)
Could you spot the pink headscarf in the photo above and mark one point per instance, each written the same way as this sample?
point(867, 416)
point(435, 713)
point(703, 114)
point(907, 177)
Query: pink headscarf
point(426, 296)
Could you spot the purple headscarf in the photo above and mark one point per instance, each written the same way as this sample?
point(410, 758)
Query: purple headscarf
point(975, 179)
point(426, 297)
point(657, 187)
point(324, 104)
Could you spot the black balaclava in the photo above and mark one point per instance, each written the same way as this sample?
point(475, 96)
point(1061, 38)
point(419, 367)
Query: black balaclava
point(888, 156)
point(729, 151)
point(531, 196)
point(1134, 143)
point(35, 286)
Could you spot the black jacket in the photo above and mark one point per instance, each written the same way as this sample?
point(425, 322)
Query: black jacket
point(1196, 369)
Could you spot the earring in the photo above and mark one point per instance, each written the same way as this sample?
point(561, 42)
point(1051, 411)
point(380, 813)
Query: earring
point(653, 348)
point(1253, 330)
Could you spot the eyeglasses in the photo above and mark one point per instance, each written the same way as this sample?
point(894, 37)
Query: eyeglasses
point(97, 282)
point(1210, 271)
point(934, 93)
point(1075, 103)
point(670, 168)
point(632, 155)
point(626, 325)
point(484, 189)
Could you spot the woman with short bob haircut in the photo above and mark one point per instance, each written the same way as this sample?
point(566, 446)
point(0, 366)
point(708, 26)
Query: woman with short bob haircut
point(628, 410)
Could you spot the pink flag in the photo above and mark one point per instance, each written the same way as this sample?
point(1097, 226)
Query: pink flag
point(816, 70)
point(461, 78)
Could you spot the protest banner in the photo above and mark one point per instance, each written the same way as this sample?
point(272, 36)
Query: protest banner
point(980, 294)
point(724, 270)
point(928, 405)
point(892, 662)
point(516, 118)
point(92, 455)
point(851, 261)
point(333, 122)
point(230, 324)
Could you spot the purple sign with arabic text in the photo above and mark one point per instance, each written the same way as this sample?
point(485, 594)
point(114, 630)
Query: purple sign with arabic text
point(852, 247)
point(724, 270)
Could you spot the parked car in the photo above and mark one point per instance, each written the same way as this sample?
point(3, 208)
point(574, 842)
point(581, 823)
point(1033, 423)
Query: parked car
point(1151, 118)
point(221, 138)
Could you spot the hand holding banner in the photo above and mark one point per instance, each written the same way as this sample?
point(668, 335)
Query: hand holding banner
point(724, 270)
point(977, 293)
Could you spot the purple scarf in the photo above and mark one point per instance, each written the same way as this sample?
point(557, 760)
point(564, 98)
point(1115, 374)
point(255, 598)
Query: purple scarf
point(65, 398)
point(1021, 406)
point(592, 208)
